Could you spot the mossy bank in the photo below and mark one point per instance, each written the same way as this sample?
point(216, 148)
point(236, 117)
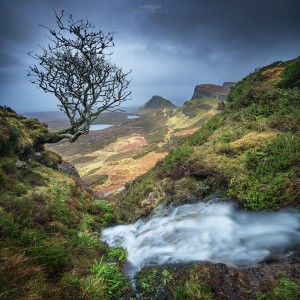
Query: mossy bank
point(49, 225)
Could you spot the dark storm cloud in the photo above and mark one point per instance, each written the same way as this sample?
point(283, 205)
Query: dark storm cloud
point(238, 25)
point(171, 45)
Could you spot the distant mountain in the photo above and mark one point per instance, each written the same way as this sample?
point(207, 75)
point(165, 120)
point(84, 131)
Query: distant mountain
point(156, 103)
point(45, 116)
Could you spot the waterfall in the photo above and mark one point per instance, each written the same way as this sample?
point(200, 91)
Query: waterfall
point(213, 231)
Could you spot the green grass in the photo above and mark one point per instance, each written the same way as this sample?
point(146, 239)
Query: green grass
point(104, 282)
point(285, 289)
point(272, 176)
point(166, 283)
point(201, 136)
point(118, 254)
point(291, 76)
point(175, 163)
point(280, 154)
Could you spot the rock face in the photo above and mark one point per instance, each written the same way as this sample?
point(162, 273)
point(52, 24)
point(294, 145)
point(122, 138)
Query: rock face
point(156, 103)
point(205, 100)
point(211, 90)
point(229, 84)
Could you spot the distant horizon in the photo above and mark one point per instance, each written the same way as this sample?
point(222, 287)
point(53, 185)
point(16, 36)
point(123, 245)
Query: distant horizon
point(177, 103)
point(59, 111)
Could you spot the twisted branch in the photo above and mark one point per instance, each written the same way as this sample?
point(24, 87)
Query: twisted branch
point(76, 68)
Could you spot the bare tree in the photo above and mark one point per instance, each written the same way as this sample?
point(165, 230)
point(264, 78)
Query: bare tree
point(76, 67)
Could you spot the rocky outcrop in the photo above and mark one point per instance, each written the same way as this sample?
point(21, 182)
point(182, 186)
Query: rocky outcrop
point(229, 84)
point(210, 90)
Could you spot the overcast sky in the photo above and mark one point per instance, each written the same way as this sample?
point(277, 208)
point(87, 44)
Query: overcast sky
point(170, 45)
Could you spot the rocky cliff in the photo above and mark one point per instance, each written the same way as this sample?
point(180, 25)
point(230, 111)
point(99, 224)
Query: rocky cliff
point(202, 106)
point(211, 90)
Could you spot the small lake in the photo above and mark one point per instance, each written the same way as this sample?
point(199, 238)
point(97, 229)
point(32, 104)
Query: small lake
point(95, 127)
point(132, 117)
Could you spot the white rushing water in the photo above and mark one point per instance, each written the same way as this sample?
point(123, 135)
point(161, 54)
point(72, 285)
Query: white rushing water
point(214, 231)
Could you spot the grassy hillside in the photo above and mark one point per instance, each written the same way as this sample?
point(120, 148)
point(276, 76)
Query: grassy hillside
point(49, 241)
point(249, 152)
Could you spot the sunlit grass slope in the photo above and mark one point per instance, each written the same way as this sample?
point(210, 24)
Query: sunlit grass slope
point(249, 152)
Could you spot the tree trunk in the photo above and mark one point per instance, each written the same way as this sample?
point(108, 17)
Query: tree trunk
point(55, 137)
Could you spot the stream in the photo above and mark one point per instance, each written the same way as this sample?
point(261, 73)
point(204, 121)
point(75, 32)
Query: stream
point(212, 231)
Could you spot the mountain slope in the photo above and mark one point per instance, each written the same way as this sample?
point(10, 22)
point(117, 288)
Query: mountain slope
point(249, 152)
point(49, 244)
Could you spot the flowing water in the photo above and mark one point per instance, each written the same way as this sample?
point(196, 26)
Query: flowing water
point(213, 231)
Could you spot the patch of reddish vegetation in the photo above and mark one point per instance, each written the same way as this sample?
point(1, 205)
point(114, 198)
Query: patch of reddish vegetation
point(186, 132)
point(106, 191)
point(121, 173)
point(117, 177)
point(138, 143)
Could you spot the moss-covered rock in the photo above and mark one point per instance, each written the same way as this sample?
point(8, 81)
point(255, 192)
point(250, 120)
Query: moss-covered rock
point(18, 135)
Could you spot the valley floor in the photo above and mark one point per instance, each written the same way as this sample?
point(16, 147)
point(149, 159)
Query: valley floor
point(108, 159)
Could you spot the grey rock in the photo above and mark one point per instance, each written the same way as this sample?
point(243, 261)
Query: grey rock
point(21, 164)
